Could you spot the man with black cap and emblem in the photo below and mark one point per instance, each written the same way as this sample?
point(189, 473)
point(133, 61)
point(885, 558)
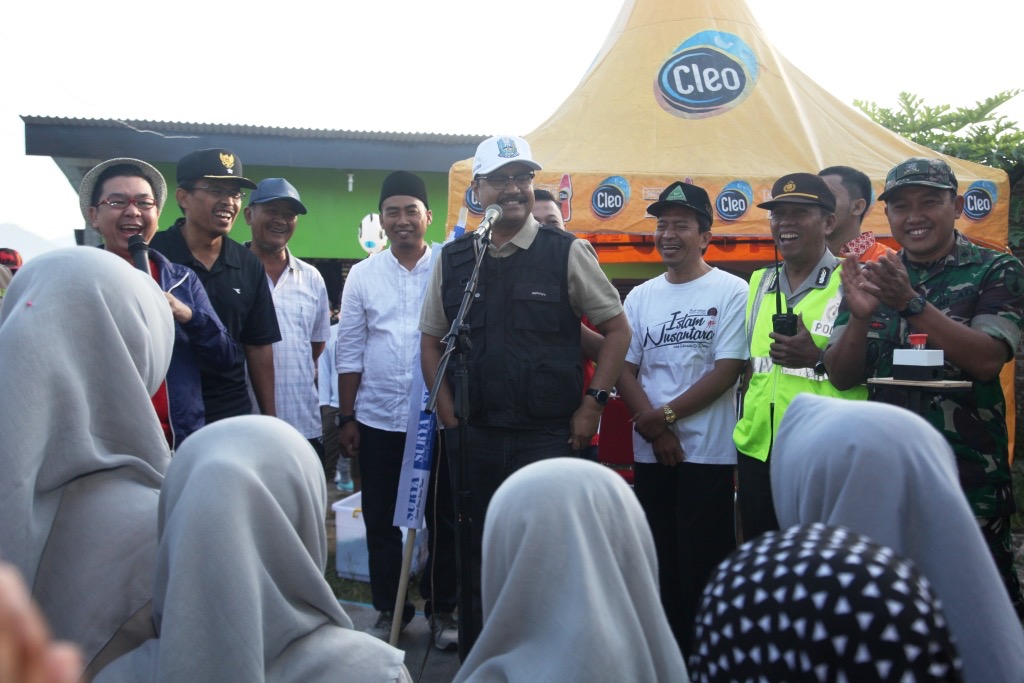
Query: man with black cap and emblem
point(791, 308)
point(376, 357)
point(303, 309)
point(684, 360)
point(969, 301)
point(526, 379)
point(209, 193)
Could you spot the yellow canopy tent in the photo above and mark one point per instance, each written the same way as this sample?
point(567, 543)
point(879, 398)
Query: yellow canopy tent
point(693, 89)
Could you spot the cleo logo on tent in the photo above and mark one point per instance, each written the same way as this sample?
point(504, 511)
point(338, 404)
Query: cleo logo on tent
point(708, 74)
point(610, 197)
point(734, 200)
point(473, 202)
point(979, 199)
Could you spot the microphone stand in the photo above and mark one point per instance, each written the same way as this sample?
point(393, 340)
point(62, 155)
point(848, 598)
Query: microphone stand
point(457, 342)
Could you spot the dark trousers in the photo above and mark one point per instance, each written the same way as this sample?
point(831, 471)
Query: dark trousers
point(492, 454)
point(380, 461)
point(380, 464)
point(754, 496)
point(439, 580)
point(996, 531)
point(331, 441)
point(317, 442)
point(689, 508)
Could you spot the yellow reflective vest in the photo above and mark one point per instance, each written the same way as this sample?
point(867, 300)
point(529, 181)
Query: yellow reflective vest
point(772, 387)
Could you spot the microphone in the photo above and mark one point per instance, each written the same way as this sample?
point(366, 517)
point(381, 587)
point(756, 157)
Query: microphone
point(140, 252)
point(491, 216)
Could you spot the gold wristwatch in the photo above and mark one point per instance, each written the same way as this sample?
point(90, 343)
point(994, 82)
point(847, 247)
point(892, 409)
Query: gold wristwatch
point(670, 415)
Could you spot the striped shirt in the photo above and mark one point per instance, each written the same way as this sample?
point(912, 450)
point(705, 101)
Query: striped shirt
point(304, 315)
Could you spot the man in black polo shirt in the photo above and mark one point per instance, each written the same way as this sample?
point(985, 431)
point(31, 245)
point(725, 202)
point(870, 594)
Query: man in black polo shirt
point(210, 183)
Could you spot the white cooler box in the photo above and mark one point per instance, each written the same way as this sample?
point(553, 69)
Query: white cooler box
point(351, 560)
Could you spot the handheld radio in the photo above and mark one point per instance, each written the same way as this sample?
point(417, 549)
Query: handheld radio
point(782, 323)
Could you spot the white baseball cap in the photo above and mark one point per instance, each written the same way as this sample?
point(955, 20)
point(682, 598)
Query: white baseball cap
point(493, 153)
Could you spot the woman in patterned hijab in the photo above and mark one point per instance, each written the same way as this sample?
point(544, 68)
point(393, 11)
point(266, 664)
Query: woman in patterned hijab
point(885, 472)
point(816, 603)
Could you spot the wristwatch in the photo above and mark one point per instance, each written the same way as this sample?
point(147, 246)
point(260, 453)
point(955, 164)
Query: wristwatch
point(819, 367)
point(670, 415)
point(914, 307)
point(600, 395)
point(340, 420)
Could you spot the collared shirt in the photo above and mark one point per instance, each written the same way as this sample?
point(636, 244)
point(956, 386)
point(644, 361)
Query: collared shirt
point(237, 287)
point(776, 278)
point(304, 314)
point(378, 338)
point(818, 278)
point(5, 279)
point(983, 289)
point(327, 371)
point(590, 292)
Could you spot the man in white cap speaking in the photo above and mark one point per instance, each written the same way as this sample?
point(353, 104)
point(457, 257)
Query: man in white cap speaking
point(525, 373)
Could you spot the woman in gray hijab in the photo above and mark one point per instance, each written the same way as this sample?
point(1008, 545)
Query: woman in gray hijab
point(886, 473)
point(240, 593)
point(570, 583)
point(85, 340)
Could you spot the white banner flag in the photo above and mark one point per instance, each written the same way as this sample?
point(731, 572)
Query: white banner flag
point(420, 434)
point(417, 459)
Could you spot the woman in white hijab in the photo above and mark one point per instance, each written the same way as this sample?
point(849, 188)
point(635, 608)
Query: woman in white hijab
point(240, 592)
point(886, 473)
point(570, 583)
point(85, 340)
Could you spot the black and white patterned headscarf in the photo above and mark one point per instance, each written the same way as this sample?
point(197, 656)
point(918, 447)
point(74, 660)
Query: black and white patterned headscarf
point(818, 603)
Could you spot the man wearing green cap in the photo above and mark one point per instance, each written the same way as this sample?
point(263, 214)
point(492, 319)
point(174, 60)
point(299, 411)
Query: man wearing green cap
point(685, 356)
point(790, 311)
point(969, 302)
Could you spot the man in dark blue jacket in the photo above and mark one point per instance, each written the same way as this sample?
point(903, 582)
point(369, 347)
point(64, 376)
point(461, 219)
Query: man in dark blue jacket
point(121, 198)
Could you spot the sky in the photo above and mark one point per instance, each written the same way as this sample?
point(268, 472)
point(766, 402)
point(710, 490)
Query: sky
point(455, 66)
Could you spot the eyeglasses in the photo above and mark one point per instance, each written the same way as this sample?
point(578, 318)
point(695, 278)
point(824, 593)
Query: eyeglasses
point(500, 182)
point(220, 193)
point(122, 203)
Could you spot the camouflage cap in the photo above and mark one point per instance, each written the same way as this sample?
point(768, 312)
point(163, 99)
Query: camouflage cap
point(919, 171)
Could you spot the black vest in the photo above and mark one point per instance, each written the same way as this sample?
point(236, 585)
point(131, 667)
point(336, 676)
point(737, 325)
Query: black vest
point(525, 370)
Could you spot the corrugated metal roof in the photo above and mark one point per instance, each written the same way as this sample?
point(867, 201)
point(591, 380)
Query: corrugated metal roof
point(240, 129)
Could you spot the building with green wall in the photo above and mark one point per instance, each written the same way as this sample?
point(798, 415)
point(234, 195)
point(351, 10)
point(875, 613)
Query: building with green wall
point(338, 173)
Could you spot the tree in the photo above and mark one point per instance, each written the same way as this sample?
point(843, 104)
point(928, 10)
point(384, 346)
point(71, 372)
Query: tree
point(972, 133)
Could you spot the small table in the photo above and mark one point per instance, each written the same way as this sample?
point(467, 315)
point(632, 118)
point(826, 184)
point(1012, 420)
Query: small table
point(918, 391)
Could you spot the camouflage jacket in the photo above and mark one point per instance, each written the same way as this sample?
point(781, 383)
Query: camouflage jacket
point(982, 288)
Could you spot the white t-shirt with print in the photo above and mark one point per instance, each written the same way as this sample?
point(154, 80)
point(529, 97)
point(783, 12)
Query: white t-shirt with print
point(678, 332)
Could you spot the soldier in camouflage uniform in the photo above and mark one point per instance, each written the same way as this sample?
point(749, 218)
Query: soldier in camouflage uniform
point(968, 300)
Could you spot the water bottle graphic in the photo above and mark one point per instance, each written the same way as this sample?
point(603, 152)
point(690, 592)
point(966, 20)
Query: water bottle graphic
point(565, 197)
